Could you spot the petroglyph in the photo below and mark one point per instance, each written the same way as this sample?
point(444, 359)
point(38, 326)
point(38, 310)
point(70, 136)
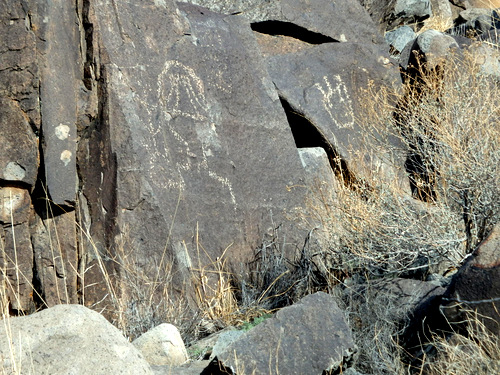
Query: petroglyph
point(62, 131)
point(334, 93)
point(66, 157)
point(182, 92)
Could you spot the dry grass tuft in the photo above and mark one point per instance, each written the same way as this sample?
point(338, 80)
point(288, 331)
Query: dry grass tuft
point(215, 292)
point(439, 23)
point(475, 351)
point(441, 134)
point(447, 127)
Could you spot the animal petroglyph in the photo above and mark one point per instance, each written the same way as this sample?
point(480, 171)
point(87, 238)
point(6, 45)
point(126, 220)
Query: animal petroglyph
point(333, 93)
point(182, 92)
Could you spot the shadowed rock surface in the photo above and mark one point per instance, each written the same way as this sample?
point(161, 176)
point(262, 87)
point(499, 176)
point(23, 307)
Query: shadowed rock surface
point(476, 286)
point(341, 20)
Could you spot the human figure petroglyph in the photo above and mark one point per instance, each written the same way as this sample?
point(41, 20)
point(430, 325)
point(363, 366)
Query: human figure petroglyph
point(182, 92)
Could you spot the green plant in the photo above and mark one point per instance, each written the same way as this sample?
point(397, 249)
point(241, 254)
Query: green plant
point(246, 326)
point(196, 353)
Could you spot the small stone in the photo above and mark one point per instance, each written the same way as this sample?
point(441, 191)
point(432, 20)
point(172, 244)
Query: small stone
point(162, 345)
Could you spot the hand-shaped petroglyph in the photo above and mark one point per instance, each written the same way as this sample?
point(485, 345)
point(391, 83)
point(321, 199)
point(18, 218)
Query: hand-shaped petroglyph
point(337, 92)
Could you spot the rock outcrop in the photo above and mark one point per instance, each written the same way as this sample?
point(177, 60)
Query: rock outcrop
point(179, 135)
point(189, 114)
point(165, 127)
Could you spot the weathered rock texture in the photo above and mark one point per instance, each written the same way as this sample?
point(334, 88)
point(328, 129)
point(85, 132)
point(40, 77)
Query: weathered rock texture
point(162, 346)
point(60, 64)
point(326, 91)
point(338, 20)
point(67, 339)
point(309, 337)
point(39, 78)
point(186, 124)
point(19, 157)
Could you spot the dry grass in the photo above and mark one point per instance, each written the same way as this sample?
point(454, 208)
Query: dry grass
point(475, 351)
point(446, 124)
point(439, 23)
point(448, 130)
point(376, 317)
point(215, 291)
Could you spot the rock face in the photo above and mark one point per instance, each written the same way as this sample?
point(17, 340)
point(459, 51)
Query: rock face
point(309, 337)
point(162, 346)
point(67, 339)
point(340, 20)
point(186, 125)
point(59, 62)
point(325, 91)
point(476, 286)
point(164, 131)
point(19, 157)
point(163, 128)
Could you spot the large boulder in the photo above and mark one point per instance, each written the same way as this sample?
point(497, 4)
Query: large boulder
point(67, 339)
point(475, 288)
point(323, 88)
point(193, 150)
point(309, 337)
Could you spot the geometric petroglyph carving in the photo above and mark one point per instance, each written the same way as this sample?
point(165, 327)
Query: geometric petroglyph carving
point(182, 91)
point(337, 92)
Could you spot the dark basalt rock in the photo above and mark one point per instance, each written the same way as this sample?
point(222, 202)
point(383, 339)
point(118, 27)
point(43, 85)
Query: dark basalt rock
point(340, 20)
point(189, 114)
point(323, 84)
point(60, 67)
point(476, 286)
point(309, 337)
